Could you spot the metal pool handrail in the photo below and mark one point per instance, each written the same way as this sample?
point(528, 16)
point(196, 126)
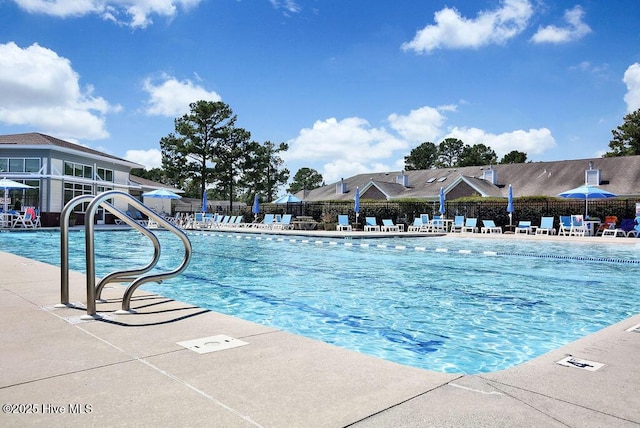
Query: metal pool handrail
point(94, 291)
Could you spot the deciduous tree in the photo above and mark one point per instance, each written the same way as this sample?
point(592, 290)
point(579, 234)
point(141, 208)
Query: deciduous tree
point(191, 153)
point(449, 152)
point(305, 179)
point(424, 156)
point(478, 154)
point(514, 156)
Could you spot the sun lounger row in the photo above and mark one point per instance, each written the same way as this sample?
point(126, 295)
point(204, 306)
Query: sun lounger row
point(370, 225)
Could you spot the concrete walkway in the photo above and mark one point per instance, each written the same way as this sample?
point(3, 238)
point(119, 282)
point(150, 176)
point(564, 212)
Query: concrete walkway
point(128, 370)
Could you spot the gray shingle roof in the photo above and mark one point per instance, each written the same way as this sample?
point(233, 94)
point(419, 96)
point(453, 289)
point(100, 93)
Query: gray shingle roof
point(619, 175)
point(37, 139)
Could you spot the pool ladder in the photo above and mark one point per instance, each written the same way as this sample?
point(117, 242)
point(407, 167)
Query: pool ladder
point(135, 277)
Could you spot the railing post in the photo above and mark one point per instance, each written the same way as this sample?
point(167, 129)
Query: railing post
point(64, 247)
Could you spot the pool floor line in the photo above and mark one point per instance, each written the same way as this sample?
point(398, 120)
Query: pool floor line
point(278, 379)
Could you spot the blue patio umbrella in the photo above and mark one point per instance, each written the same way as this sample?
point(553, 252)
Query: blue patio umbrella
point(161, 194)
point(356, 206)
point(587, 192)
point(255, 209)
point(442, 206)
point(510, 209)
point(287, 199)
point(204, 201)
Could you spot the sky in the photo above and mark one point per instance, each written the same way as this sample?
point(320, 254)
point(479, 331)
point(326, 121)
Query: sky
point(352, 86)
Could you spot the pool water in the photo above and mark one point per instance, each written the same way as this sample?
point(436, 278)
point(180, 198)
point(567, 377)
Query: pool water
point(444, 304)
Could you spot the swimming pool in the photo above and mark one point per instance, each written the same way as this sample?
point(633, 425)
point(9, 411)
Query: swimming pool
point(443, 304)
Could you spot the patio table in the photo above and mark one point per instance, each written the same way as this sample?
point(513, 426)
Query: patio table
point(6, 220)
point(304, 223)
point(592, 226)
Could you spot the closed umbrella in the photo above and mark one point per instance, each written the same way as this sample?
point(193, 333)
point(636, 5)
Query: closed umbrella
point(587, 192)
point(442, 206)
point(356, 206)
point(255, 209)
point(510, 209)
point(204, 201)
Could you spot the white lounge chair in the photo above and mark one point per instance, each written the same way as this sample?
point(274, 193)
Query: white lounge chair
point(24, 221)
point(389, 226)
point(565, 225)
point(343, 223)
point(267, 222)
point(420, 224)
point(371, 225)
point(578, 227)
point(458, 224)
point(437, 225)
point(490, 227)
point(470, 225)
point(524, 226)
point(284, 223)
point(546, 226)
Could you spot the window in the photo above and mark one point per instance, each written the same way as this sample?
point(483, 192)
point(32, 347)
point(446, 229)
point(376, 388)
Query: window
point(78, 170)
point(441, 179)
point(19, 164)
point(431, 180)
point(16, 165)
point(71, 190)
point(105, 174)
point(31, 165)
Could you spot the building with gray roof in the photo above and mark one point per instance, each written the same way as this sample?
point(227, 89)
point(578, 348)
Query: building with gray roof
point(58, 170)
point(619, 175)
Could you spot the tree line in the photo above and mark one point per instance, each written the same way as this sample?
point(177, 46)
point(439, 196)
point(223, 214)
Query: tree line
point(208, 151)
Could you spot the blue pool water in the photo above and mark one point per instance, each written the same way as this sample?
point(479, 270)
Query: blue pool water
point(443, 304)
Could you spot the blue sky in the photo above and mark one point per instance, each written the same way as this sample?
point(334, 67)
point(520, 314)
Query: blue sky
point(352, 86)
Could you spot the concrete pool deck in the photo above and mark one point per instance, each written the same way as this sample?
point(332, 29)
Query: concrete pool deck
point(128, 370)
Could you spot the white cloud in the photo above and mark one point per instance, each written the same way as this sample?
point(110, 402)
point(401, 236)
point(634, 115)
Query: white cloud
point(41, 90)
point(135, 13)
point(575, 30)
point(149, 158)
point(454, 31)
point(171, 97)
point(423, 124)
point(288, 5)
point(588, 67)
point(532, 142)
point(347, 145)
point(632, 80)
point(342, 148)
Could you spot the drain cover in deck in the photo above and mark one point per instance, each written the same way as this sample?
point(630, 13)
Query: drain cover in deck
point(212, 344)
point(579, 363)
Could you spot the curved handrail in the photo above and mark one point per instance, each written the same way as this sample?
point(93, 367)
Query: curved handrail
point(125, 275)
point(90, 271)
point(64, 244)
